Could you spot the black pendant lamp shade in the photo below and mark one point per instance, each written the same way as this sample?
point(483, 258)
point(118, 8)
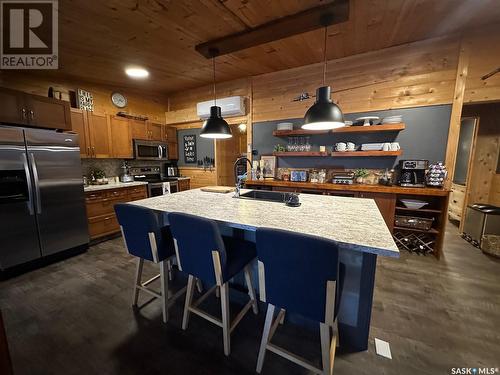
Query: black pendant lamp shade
point(324, 114)
point(215, 126)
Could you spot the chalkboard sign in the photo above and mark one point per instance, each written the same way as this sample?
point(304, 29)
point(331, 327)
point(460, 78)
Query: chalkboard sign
point(190, 149)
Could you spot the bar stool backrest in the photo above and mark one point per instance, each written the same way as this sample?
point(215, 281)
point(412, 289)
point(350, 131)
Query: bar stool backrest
point(296, 271)
point(145, 232)
point(196, 238)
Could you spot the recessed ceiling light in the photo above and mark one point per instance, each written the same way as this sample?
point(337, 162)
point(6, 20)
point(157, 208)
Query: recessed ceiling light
point(137, 72)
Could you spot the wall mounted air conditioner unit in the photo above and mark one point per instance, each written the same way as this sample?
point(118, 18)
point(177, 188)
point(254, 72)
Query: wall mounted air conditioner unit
point(230, 107)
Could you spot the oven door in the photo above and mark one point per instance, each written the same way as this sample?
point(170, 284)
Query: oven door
point(162, 188)
point(147, 150)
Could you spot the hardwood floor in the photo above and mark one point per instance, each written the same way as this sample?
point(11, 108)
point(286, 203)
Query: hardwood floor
point(74, 317)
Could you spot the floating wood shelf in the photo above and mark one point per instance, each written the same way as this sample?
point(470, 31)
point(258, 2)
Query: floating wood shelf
point(300, 153)
point(285, 133)
point(366, 153)
point(430, 231)
point(425, 210)
point(346, 129)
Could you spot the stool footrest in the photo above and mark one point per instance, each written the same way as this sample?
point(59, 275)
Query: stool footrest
point(206, 316)
point(240, 315)
point(294, 358)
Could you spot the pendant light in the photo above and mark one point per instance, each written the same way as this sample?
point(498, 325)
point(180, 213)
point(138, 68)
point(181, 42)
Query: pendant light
point(324, 114)
point(215, 126)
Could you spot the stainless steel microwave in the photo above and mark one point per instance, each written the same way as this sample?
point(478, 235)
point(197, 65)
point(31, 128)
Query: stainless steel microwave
point(150, 150)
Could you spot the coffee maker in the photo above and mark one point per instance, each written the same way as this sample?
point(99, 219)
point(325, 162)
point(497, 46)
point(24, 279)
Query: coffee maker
point(412, 173)
point(171, 169)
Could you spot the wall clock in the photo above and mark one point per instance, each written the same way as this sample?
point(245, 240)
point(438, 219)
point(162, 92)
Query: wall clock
point(119, 100)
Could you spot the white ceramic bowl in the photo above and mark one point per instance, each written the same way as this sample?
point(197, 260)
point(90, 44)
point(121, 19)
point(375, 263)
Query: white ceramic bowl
point(414, 204)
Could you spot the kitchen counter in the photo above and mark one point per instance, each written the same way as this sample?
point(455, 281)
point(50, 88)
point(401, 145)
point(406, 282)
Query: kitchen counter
point(354, 187)
point(356, 224)
point(113, 185)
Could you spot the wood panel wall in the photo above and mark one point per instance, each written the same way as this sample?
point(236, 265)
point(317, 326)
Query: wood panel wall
point(152, 106)
point(412, 75)
point(495, 190)
point(484, 58)
point(199, 177)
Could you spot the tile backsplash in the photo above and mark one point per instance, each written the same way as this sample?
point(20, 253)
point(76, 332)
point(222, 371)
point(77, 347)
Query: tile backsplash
point(112, 167)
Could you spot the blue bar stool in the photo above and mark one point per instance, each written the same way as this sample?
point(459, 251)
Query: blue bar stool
point(203, 253)
point(298, 273)
point(147, 237)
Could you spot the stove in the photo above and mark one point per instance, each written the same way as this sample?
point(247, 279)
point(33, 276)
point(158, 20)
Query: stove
point(157, 184)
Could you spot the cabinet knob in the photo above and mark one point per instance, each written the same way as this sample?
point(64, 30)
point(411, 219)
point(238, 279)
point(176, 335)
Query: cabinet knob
point(23, 112)
point(32, 114)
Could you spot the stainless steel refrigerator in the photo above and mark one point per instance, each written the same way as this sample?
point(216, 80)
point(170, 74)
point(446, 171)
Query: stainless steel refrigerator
point(42, 203)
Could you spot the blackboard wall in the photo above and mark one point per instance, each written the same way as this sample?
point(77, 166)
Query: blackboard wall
point(425, 137)
point(204, 146)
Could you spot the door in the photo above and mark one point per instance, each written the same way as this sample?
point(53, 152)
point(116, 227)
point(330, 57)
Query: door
point(48, 113)
point(100, 135)
point(12, 109)
point(79, 124)
point(139, 129)
point(122, 138)
point(54, 160)
point(170, 134)
point(19, 235)
point(155, 131)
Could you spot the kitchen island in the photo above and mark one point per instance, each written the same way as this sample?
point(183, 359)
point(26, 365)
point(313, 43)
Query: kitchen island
point(356, 225)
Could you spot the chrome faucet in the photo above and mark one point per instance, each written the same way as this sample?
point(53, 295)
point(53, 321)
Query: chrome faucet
point(239, 179)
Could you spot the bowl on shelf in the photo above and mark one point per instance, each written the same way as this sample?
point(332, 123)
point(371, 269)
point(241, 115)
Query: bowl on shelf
point(414, 204)
point(285, 126)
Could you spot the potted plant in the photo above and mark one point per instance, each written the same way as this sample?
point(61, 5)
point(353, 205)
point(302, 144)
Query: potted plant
point(360, 174)
point(98, 176)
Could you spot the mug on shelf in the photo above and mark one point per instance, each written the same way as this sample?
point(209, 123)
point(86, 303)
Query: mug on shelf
point(341, 146)
point(395, 146)
point(351, 146)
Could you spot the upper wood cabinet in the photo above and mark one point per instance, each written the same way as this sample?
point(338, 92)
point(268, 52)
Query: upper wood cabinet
point(121, 135)
point(155, 130)
point(170, 134)
point(100, 135)
point(139, 129)
point(20, 108)
point(12, 108)
point(79, 124)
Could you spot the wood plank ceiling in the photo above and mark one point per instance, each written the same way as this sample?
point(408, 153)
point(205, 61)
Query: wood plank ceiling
point(99, 38)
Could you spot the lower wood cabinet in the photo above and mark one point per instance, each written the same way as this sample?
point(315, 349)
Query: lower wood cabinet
point(386, 204)
point(184, 184)
point(100, 208)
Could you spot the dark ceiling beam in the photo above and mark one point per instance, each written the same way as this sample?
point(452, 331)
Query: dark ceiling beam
point(308, 20)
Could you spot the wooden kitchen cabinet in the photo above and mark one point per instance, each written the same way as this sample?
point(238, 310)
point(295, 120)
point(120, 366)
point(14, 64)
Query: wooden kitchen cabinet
point(100, 135)
point(79, 124)
point(48, 112)
point(173, 151)
point(12, 108)
point(121, 135)
point(147, 130)
point(386, 203)
point(155, 130)
point(184, 184)
point(100, 208)
point(139, 129)
point(20, 108)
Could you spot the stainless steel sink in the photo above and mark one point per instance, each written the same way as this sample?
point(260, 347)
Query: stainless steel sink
point(264, 195)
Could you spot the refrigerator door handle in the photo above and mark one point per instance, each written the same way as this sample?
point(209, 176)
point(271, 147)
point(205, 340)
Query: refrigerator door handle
point(37, 185)
point(30, 187)
point(160, 152)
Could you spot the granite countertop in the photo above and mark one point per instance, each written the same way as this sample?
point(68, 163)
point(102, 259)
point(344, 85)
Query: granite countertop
point(354, 223)
point(113, 185)
point(184, 178)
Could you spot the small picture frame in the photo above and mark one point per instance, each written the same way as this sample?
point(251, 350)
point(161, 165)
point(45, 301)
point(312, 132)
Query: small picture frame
point(268, 165)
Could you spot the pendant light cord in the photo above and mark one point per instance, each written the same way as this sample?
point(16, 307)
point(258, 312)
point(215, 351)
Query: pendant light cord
point(324, 57)
point(215, 95)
